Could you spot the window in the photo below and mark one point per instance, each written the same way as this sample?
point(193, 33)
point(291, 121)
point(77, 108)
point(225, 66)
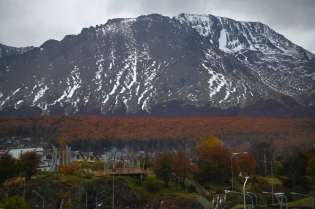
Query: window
point(49, 157)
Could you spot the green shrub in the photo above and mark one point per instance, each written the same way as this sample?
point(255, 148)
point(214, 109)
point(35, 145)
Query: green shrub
point(262, 180)
point(151, 186)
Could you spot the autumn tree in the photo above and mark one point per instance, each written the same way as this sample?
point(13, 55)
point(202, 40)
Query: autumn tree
point(70, 168)
point(8, 166)
point(247, 163)
point(85, 164)
point(146, 161)
point(28, 163)
point(163, 167)
point(98, 164)
point(181, 166)
point(213, 160)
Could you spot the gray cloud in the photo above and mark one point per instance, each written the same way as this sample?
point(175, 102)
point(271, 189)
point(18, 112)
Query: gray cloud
point(32, 22)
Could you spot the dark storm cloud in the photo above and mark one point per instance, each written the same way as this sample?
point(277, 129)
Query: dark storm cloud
point(32, 22)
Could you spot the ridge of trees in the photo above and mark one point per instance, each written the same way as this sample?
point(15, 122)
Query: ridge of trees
point(234, 131)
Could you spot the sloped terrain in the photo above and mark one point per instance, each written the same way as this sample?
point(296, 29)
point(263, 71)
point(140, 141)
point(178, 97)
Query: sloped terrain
point(138, 66)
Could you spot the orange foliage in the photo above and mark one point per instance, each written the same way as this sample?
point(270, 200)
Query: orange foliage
point(247, 163)
point(235, 131)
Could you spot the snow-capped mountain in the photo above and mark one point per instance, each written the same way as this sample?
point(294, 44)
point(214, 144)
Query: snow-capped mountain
point(9, 50)
point(144, 65)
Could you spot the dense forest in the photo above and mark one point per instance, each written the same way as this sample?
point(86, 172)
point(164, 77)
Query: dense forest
point(94, 133)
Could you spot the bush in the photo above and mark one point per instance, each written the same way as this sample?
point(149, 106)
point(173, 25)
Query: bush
point(18, 182)
point(262, 180)
point(227, 205)
point(152, 186)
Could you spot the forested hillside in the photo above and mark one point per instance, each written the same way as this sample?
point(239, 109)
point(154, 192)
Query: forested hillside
point(88, 132)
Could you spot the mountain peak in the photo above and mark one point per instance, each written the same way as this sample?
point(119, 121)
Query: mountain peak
point(138, 65)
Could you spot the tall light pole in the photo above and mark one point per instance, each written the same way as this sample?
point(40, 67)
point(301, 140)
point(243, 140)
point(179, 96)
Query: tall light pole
point(232, 169)
point(228, 191)
point(104, 159)
point(86, 200)
point(271, 162)
point(24, 188)
point(305, 196)
point(246, 178)
point(96, 198)
point(255, 197)
point(280, 197)
point(40, 197)
point(113, 182)
point(233, 155)
point(265, 161)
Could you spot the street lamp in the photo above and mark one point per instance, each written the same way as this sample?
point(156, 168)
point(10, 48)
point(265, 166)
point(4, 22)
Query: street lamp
point(280, 197)
point(104, 159)
point(246, 178)
point(40, 197)
point(305, 196)
point(228, 191)
point(256, 198)
point(113, 182)
point(97, 195)
point(271, 181)
point(271, 195)
point(233, 155)
point(24, 187)
point(86, 200)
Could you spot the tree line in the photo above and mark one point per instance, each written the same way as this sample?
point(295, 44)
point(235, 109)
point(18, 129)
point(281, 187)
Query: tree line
point(92, 132)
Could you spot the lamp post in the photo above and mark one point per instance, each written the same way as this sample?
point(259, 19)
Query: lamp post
point(96, 197)
point(24, 187)
point(113, 182)
point(86, 200)
point(233, 155)
point(271, 162)
point(280, 197)
point(305, 196)
point(228, 191)
point(255, 197)
point(104, 159)
point(232, 169)
point(246, 178)
point(40, 197)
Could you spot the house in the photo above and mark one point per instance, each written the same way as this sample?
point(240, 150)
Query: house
point(90, 156)
point(27, 139)
point(50, 159)
point(141, 153)
point(47, 159)
point(16, 152)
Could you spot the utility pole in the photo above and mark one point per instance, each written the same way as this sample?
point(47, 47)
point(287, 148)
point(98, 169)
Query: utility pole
point(265, 161)
point(104, 159)
point(271, 162)
point(114, 166)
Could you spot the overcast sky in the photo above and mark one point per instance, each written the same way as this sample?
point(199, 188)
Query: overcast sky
point(32, 22)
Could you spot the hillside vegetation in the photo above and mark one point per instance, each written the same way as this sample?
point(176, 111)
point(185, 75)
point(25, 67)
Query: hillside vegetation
point(144, 133)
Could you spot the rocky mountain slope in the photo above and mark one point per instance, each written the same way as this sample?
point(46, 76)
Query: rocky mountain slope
point(9, 50)
point(154, 65)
